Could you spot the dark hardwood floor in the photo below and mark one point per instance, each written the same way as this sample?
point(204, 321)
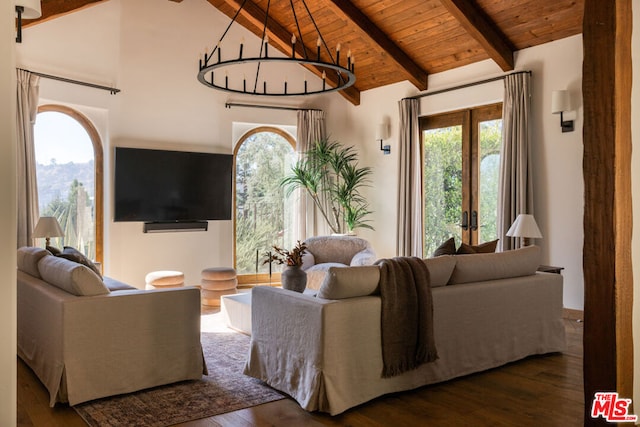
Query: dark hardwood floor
point(537, 391)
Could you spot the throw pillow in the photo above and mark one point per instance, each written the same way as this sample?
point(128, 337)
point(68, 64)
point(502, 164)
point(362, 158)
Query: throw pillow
point(75, 255)
point(54, 250)
point(350, 282)
point(483, 248)
point(317, 273)
point(447, 248)
point(77, 279)
point(440, 269)
point(495, 266)
point(28, 259)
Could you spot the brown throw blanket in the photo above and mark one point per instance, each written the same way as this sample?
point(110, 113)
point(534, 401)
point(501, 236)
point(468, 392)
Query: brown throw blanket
point(407, 315)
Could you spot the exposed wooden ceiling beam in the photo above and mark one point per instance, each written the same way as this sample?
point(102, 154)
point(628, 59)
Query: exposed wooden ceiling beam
point(415, 73)
point(55, 8)
point(280, 38)
point(478, 25)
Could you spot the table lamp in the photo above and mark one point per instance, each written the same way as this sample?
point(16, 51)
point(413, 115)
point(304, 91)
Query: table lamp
point(525, 226)
point(47, 227)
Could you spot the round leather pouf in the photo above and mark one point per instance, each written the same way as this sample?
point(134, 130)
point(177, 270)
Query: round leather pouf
point(216, 282)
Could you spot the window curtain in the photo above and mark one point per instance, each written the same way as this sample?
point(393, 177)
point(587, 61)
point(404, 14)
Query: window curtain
point(410, 239)
point(515, 194)
point(311, 128)
point(27, 192)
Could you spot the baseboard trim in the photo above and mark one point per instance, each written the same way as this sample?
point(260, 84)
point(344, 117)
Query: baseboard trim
point(571, 314)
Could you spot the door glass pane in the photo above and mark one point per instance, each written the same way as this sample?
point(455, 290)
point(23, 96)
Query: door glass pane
point(65, 174)
point(490, 141)
point(263, 214)
point(442, 186)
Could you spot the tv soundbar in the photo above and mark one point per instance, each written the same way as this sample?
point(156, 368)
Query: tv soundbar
point(168, 226)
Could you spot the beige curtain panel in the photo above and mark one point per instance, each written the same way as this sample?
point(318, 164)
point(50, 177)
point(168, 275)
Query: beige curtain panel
point(311, 128)
point(515, 194)
point(409, 228)
point(27, 189)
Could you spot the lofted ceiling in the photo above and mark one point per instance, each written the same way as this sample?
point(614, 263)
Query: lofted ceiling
point(397, 40)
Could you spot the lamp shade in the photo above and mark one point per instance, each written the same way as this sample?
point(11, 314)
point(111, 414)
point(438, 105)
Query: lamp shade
point(47, 226)
point(560, 101)
point(32, 9)
point(381, 131)
point(524, 226)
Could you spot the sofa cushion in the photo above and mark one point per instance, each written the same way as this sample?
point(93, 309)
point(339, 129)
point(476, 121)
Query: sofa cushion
point(493, 266)
point(317, 273)
point(483, 248)
point(72, 254)
point(447, 248)
point(28, 258)
point(77, 279)
point(116, 285)
point(350, 282)
point(440, 269)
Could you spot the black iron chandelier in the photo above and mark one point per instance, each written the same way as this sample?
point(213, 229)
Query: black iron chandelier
point(227, 68)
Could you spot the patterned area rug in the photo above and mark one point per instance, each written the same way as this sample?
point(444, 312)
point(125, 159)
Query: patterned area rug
point(225, 389)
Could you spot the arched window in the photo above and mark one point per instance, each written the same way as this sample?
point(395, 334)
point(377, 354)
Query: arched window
point(263, 216)
point(70, 177)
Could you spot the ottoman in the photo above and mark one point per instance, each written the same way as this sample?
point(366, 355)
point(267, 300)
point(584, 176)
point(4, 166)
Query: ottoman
point(216, 282)
point(164, 279)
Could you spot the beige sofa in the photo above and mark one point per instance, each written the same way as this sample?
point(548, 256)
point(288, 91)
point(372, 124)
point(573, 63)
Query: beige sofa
point(325, 351)
point(87, 338)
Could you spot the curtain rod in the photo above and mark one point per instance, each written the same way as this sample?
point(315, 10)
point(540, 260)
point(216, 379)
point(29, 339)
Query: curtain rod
point(111, 90)
point(466, 85)
point(270, 107)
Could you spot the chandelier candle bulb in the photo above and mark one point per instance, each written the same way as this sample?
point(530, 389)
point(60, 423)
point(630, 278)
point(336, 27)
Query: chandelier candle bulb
point(338, 54)
point(293, 46)
point(241, 47)
point(266, 45)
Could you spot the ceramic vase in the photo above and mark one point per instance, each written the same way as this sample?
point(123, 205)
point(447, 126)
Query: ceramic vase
point(294, 278)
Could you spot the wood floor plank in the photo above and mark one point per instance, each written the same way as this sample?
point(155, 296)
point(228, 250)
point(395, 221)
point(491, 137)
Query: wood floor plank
point(540, 390)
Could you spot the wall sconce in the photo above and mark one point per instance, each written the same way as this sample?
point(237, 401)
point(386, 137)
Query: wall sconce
point(560, 102)
point(381, 134)
point(27, 9)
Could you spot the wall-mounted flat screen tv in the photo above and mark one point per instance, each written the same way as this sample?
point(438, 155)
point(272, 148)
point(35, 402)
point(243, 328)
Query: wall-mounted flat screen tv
point(172, 186)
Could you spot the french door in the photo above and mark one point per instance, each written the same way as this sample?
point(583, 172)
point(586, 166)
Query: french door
point(461, 172)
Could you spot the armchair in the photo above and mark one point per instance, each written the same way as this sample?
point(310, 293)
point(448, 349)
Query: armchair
point(334, 251)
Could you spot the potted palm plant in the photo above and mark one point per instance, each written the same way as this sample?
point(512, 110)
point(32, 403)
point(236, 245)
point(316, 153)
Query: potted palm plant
point(330, 175)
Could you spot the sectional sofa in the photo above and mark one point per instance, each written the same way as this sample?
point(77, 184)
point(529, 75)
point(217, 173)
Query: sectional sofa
point(325, 350)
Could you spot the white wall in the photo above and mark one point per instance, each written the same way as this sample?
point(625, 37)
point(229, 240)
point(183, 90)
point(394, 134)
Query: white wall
point(557, 157)
point(7, 217)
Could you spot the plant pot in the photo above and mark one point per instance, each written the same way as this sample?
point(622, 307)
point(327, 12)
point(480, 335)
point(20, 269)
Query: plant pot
point(294, 278)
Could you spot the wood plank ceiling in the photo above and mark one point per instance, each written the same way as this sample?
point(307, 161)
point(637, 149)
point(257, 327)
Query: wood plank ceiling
point(396, 40)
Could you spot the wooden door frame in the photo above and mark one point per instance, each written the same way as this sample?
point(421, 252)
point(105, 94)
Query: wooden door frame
point(469, 119)
point(608, 220)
